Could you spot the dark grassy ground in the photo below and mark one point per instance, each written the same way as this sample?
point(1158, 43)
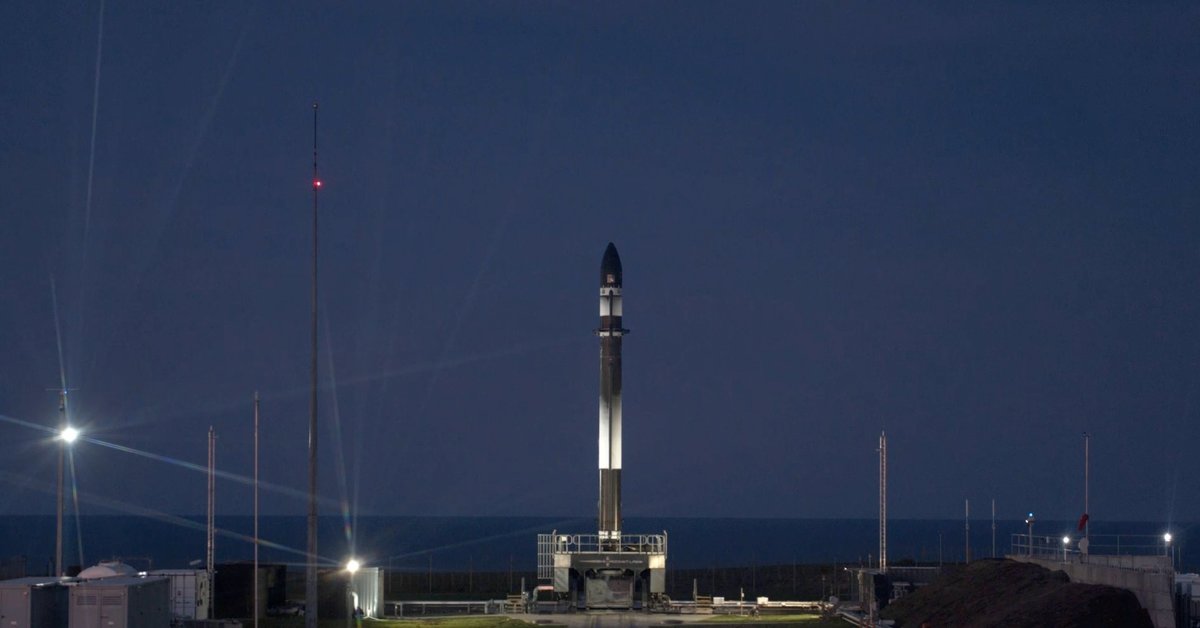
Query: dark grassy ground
point(778, 621)
point(448, 622)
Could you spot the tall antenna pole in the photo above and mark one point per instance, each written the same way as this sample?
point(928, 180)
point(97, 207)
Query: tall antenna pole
point(1087, 466)
point(310, 576)
point(256, 509)
point(209, 550)
point(883, 501)
point(967, 530)
point(993, 527)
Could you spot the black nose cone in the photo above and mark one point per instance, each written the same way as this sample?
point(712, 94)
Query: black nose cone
point(610, 268)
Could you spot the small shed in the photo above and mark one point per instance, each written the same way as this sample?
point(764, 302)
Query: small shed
point(33, 603)
point(191, 596)
point(121, 602)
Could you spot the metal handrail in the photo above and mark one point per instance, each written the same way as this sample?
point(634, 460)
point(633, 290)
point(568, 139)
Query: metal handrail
point(1098, 544)
point(554, 543)
point(583, 543)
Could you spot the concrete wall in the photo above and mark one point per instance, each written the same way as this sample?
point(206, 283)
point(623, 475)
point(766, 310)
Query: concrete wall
point(1150, 578)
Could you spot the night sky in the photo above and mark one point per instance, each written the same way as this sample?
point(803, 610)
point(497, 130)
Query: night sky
point(973, 227)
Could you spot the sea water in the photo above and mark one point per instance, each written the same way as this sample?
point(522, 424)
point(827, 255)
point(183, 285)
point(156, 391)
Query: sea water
point(502, 543)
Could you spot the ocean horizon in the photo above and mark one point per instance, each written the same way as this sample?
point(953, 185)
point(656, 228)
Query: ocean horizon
point(502, 543)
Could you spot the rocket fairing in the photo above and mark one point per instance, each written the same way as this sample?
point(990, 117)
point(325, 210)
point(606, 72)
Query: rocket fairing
point(610, 333)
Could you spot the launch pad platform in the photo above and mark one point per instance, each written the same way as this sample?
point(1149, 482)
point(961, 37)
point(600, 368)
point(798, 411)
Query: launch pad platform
point(591, 572)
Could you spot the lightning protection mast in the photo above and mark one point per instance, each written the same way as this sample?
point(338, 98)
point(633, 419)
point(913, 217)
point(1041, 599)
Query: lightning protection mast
point(310, 574)
point(883, 501)
point(210, 546)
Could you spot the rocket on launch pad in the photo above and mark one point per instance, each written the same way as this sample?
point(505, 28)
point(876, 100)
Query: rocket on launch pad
point(610, 333)
point(608, 569)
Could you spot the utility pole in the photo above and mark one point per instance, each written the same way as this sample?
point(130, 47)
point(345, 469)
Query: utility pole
point(256, 602)
point(62, 454)
point(66, 434)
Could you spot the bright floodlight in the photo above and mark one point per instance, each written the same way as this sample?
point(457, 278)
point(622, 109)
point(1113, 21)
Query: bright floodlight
point(1167, 537)
point(1066, 540)
point(68, 435)
point(352, 565)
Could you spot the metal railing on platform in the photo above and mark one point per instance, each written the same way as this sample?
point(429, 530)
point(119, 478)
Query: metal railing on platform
point(583, 543)
point(1098, 545)
point(554, 543)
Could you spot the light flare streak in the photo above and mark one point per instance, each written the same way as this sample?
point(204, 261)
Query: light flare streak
point(485, 539)
point(157, 515)
point(164, 216)
point(191, 466)
point(415, 368)
point(87, 205)
point(75, 502)
point(338, 449)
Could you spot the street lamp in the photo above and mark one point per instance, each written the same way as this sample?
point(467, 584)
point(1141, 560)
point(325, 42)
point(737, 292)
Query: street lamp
point(1166, 543)
point(67, 436)
point(1029, 524)
point(1066, 542)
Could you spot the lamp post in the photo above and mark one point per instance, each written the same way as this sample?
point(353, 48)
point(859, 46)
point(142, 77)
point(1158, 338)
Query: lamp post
point(1066, 542)
point(1029, 524)
point(1167, 547)
point(66, 436)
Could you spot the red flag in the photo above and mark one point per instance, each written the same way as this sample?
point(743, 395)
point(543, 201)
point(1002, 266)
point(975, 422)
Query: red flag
point(1083, 521)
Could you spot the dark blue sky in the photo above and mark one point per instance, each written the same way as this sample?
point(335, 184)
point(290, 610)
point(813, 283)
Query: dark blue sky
point(975, 228)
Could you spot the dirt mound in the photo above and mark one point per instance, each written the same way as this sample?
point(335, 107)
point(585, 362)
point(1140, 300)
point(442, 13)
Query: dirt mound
point(1008, 593)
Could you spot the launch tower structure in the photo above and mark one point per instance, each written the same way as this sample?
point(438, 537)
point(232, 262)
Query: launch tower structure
point(608, 569)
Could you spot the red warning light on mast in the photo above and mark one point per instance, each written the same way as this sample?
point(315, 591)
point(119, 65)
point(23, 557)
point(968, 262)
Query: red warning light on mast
point(316, 183)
